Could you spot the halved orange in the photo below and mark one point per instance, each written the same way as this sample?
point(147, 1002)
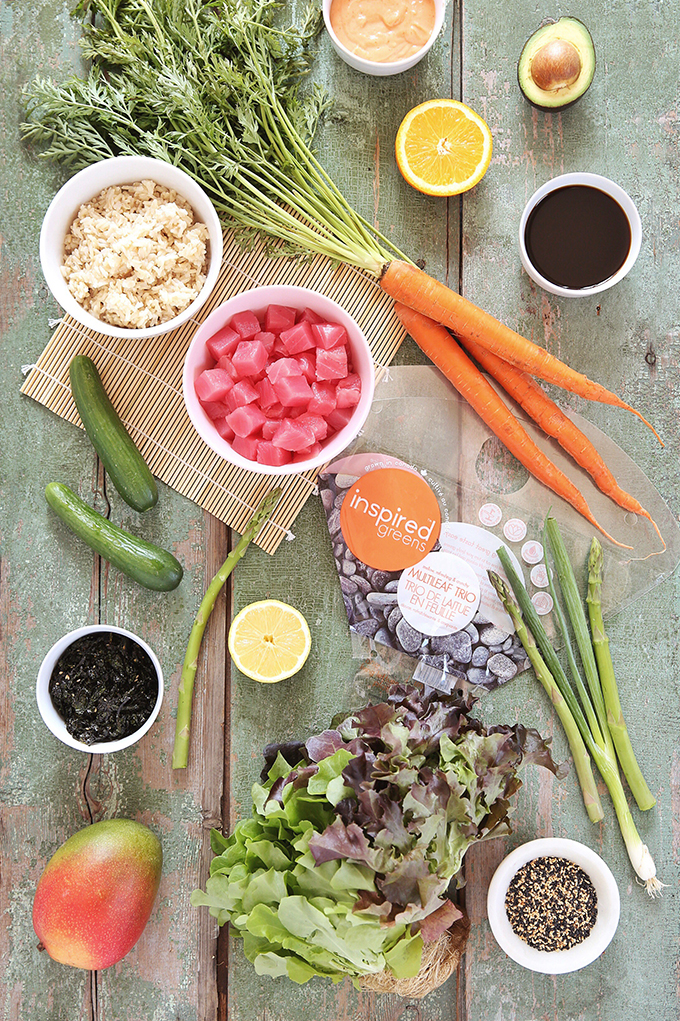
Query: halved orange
point(443, 147)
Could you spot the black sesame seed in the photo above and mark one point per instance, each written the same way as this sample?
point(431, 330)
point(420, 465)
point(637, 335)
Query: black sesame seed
point(551, 904)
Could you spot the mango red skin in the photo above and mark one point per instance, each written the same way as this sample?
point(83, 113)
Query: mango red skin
point(96, 893)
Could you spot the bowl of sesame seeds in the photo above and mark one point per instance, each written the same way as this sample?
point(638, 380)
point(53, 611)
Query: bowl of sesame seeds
point(553, 905)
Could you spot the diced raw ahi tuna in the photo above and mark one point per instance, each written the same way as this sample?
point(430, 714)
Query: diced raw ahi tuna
point(331, 364)
point(279, 350)
point(250, 357)
point(246, 324)
point(267, 339)
point(317, 424)
point(339, 418)
point(223, 342)
point(246, 446)
point(242, 393)
point(225, 430)
point(307, 362)
point(293, 435)
point(328, 335)
point(279, 317)
point(266, 393)
point(304, 455)
point(246, 420)
point(348, 391)
point(269, 428)
point(293, 391)
point(267, 453)
point(308, 315)
point(213, 385)
point(283, 367)
point(215, 409)
point(298, 338)
point(225, 362)
point(323, 399)
point(277, 411)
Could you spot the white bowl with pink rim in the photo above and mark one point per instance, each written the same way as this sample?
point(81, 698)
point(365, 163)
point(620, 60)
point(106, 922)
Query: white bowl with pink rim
point(377, 67)
point(256, 300)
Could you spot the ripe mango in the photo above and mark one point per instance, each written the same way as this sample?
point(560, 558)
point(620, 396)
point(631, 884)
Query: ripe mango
point(96, 893)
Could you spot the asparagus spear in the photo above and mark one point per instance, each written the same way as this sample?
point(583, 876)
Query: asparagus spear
point(180, 753)
point(582, 762)
point(617, 725)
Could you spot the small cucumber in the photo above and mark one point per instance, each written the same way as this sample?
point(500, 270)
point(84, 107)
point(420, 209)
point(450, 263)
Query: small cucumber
point(120, 456)
point(147, 564)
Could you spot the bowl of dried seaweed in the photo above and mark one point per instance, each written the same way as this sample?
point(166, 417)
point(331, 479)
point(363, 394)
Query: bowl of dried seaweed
point(100, 688)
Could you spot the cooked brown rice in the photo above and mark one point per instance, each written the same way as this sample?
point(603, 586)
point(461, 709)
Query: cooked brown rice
point(135, 256)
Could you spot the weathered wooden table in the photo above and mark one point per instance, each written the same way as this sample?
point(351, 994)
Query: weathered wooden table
point(627, 127)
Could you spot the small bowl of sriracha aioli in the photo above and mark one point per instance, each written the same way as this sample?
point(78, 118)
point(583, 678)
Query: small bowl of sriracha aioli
point(383, 37)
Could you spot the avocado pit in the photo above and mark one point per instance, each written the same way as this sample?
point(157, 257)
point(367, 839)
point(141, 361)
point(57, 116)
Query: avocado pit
point(556, 65)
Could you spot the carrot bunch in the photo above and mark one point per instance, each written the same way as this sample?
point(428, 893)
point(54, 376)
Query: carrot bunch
point(512, 361)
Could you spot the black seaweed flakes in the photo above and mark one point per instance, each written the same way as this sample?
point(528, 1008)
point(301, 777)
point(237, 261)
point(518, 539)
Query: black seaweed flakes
point(551, 904)
point(104, 686)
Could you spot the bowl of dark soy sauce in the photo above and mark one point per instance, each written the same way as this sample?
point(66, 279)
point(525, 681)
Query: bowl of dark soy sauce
point(579, 235)
point(100, 689)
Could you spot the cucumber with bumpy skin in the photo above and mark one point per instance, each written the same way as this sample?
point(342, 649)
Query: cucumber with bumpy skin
point(119, 454)
point(148, 564)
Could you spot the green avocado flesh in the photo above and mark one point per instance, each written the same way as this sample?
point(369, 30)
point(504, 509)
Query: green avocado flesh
point(557, 64)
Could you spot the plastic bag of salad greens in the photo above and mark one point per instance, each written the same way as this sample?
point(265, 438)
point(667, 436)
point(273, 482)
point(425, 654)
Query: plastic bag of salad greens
point(356, 834)
point(416, 510)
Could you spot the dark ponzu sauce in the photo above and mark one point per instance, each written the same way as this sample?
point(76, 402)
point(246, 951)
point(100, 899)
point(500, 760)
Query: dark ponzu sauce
point(104, 686)
point(577, 236)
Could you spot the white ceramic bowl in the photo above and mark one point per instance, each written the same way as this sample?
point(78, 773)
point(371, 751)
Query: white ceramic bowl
point(85, 185)
point(52, 718)
point(198, 358)
point(620, 196)
point(381, 68)
point(556, 962)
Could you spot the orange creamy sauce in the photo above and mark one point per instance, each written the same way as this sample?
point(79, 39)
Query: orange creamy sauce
point(383, 30)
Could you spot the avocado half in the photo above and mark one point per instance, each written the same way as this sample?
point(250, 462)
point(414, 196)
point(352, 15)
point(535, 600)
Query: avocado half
point(557, 64)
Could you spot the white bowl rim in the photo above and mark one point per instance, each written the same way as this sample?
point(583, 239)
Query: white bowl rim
point(51, 717)
point(557, 962)
point(382, 68)
point(610, 188)
point(75, 191)
point(254, 298)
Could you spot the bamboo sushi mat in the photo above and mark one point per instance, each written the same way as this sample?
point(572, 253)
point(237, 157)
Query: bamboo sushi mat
point(144, 381)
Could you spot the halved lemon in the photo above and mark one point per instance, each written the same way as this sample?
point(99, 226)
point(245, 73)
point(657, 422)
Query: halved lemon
point(443, 147)
point(269, 640)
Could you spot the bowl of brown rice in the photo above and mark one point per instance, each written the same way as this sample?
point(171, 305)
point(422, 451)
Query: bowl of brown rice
point(131, 247)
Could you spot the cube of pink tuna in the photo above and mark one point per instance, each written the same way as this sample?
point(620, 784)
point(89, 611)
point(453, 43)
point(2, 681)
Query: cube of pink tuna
point(307, 362)
point(316, 423)
point(331, 364)
point(242, 393)
point(267, 339)
point(323, 399)
point(339, 418)
point(269, 428)
point(267, 453)
point(348, 392)
point(277, 411)
point(213, 385)
point(250, 357)
point(293, 391)
point(246, 324)
point(267, 394)
point(291, 435)
point(308, 315)
point(279, 367)
point(304, 455)
point(328, 335)
point(225, 362)
point(224, 429)
point(297, 338)
point(223, 342)
point(215, 409)
point(246, 420)
point(279, 317)
point(246, 446)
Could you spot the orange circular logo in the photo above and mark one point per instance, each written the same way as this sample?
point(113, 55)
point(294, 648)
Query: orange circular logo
point(390, 519)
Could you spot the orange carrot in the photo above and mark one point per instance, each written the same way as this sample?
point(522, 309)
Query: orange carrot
point(443, 350)
point(412, 287)
point(553, 421)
